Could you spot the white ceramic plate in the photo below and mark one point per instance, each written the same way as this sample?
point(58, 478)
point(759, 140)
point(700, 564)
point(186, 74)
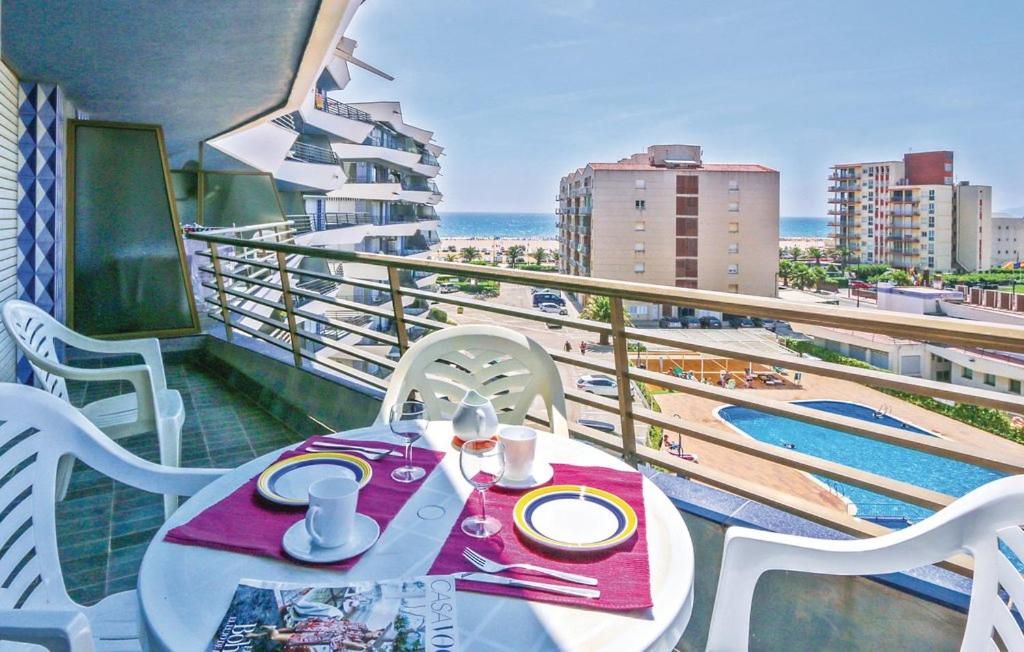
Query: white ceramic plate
point(297, 543)
point(542, 473)
point(574, 518)
point(287, 482)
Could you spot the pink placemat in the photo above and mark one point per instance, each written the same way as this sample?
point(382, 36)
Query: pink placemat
point(623, 574)
point(245, 522)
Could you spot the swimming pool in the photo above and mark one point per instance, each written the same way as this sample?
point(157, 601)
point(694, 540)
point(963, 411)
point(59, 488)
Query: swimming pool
point(921, 469)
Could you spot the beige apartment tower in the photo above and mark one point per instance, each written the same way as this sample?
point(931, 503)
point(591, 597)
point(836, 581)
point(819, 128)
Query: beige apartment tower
point(664, 216)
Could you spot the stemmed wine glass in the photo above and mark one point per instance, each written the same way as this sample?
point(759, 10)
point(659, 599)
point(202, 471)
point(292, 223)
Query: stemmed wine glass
point(483, 463)
point(408, 421)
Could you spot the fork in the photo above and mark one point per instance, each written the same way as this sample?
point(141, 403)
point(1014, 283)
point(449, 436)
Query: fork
point(488, 566)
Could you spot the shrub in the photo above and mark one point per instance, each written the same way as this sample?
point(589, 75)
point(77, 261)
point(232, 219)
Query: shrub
point(436, 314)
point(656, 434)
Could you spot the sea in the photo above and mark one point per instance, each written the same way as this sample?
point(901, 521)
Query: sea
point(542, 225)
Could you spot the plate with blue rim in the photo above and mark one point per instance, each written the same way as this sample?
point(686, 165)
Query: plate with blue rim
point(574, 518)
point(286, 482)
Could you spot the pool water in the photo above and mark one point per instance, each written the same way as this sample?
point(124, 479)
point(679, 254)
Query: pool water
point(917, 468)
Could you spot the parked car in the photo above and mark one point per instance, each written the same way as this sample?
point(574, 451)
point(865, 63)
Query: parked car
point(598, 384)
point(447, 288)
point(545, 291)
point(553, 309)
point(710, 322)
point(692, 322)
point(603, 426)
point(669, 322)
point(552, 325)
point(746, 322)
point(547, 297)
point(860, 285)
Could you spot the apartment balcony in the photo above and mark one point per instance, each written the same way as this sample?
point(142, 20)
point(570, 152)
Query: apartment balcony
point(381, 155)
point(333, 107)
point(843, 200)
point(844, 188)
point(904, 200)
point(258, 379)
point(309, 153)
point(902, 238)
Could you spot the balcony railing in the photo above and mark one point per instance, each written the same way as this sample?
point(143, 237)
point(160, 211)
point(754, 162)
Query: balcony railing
point(265, 309)
point(312, 153)
point(334, 107)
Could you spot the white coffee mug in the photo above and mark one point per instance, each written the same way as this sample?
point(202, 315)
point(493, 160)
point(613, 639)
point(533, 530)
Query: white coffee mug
point(332, 509)
point(520, 445)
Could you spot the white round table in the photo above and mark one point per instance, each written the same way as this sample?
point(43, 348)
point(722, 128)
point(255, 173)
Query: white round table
point(185, 590)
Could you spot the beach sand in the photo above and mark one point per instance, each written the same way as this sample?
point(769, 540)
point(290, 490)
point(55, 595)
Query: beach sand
point(492, 245)
point(806, 242)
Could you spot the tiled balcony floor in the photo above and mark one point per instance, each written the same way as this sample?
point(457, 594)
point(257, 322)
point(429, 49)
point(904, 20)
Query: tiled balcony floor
point(103, 528)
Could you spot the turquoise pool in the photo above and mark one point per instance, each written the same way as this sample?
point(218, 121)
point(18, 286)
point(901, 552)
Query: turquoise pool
point(921, 469)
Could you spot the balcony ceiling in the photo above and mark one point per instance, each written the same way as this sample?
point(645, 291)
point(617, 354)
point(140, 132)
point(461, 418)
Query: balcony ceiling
point(199, 68)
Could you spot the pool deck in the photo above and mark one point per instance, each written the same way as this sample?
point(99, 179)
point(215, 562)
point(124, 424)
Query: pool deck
point(796, 483)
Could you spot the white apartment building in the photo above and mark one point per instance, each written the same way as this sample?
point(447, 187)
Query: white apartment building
point(1007, 239)
point(909, 214)
point(664, 216)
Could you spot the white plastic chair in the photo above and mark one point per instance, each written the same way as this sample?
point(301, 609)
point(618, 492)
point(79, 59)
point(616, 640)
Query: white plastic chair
point(37, 430)
point(506, 367)
point(152, 406)
point(974, 524)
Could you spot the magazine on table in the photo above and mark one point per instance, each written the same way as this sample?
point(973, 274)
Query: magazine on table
point(403, 615)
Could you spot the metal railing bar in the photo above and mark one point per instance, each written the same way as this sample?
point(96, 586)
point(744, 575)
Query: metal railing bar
point(242, 295)
point(355, 282)
point(921, 327)
point(875, 378)
point(351, 328)
point(260, 335)
point(253, 315)
point(924, 443)
point(241, 278)
point(350, 350)
point(524, 313)
point(343, 303)
point(351, 372)
point(800, 461)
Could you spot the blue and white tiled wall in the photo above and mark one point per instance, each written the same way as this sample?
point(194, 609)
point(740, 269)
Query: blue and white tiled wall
point(40, 263)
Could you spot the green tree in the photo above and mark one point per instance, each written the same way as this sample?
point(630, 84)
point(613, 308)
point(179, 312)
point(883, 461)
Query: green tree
point(801, 276)
point(815, 253)
point(897, 277)
point(514, 253)
point(600, 309)
point(555, 256)
point(540, 255)
point(816, 276)
point(785, 270)
point(469, 254)
point(796, 252)
point(783, 252)
point(844, 256)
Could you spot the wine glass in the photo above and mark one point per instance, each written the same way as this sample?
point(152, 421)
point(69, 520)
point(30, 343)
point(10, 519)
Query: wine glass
point(482, 462)
point(408, 421)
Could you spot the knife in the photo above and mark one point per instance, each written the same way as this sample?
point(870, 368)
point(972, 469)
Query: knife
point(487, 578)
point(351, 447)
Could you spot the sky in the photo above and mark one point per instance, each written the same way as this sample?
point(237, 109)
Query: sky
point(521, 93)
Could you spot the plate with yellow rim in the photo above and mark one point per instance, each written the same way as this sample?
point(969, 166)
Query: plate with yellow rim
point(287, 482)
point(574, 518)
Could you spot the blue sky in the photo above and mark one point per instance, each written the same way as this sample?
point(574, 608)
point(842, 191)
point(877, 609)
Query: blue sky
point(521, 92)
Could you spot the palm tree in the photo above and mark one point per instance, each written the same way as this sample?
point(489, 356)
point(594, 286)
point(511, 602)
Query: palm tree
point(783, 252)
point(469, 254)
point(844, 255)
point(600, 309)
point(897, 277)
point(801, 275)
point(796, 252)
point(514, 252)
point(540, 255)
point(555, 256)
point(816, 254)
point(817, 276)
point(785, 270)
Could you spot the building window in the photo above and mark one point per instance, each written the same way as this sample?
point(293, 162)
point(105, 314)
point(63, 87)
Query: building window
point(1015, 386)
point(966, 373)
point(734, 184)
point(931, 195)
point(640, 226)
point(734, 207)
point(640, 184)
point(686, 205)
point(639, 247)
point(734, 227)
point(638, 309)
point(686, 184)
point(949, 167)
point(990, 380)
point(641, 204)
point(638, 268)
point(734, 248)
point(734, 269)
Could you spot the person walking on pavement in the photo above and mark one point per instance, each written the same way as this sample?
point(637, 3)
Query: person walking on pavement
point(583, 348)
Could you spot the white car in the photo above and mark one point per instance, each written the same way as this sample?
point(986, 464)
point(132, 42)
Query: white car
point(553, 309)
point(598, 384)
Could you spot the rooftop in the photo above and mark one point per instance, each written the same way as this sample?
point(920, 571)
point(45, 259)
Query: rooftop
point(707, 167)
